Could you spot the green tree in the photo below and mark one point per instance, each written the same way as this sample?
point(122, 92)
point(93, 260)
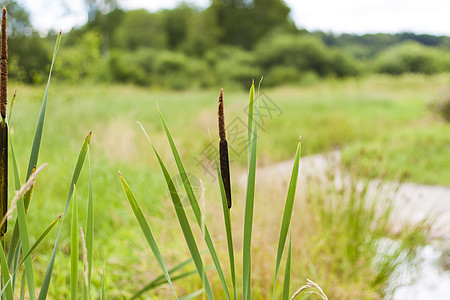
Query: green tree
point(244, 23)
point(140, 28)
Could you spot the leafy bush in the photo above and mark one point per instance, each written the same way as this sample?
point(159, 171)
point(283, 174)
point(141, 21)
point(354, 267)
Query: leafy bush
point(233, 65)
point(83, 60)
point(167, 69)
point(305, 53)
point(411, 57)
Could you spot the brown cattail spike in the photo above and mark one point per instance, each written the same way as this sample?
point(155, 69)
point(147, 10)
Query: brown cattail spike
point(4, 52)
point(3, 67)
point(221, 117)
point(223, 151)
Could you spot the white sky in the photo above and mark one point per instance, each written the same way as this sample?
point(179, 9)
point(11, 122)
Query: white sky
point(349, 16)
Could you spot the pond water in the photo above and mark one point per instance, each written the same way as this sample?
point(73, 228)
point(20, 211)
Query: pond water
point(428, 279)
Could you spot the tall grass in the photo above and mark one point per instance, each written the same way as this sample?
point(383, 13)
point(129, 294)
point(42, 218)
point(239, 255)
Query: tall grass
point(20, 248)
point(339, 234)
point(185, 225)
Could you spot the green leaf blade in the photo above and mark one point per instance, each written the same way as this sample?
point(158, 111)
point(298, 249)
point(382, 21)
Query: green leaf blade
point(195, 207)
point(186, 228)
point(145, 229)
point(287, 214)
point(90, 227)
point(74, 248)
point(5, 275)
point(287, 274)
point(249, 201)
point(78, 167)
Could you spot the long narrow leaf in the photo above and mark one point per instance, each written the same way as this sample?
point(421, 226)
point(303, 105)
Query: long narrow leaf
point(195, 207)
point(287, 273)
point(90, 228)
point(289, 205)
point(23, 286)
point(40, 124)
point(250, 119)
point(76, 174)
point(5, 274)
point(249, 205)
point(155, 283)
point(25, 241)
point(193, 295)
point(14, 249)
point(74, 248)
point(40, 239)
point(35, 245)
point(185, 227)
point(145, 229)
point(103, 286)
point(34, 153)
point(160, 278)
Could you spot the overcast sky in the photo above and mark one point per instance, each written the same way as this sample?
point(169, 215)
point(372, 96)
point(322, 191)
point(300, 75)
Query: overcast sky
point(344, 16)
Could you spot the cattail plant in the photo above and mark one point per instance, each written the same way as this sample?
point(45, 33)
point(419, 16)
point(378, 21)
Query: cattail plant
point(223, 151)
point(3, 125)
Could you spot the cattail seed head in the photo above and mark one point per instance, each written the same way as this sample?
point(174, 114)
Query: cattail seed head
point(221, 117)
point(4, 52)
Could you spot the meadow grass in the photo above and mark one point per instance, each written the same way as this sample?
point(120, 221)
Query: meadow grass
point(350, 113)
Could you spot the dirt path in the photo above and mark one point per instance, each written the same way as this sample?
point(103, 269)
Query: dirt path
point(412, 203)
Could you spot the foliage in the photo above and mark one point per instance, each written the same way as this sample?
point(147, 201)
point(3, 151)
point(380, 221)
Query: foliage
point(82, 60)
point(229, 42)
point(305, 54)
point(411, 57)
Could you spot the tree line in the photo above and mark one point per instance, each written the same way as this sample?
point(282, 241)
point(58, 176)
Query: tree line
point(229, 42)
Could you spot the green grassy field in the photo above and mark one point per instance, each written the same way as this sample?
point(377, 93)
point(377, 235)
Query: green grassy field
point(381, 124)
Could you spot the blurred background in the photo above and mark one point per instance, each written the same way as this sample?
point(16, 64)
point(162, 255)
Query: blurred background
point(179, 45)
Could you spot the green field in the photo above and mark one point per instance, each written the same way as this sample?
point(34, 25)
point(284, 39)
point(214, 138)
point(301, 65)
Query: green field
point(381, 123)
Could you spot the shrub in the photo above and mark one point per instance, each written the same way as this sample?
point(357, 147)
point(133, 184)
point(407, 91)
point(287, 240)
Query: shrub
point(233, 65)
point(411, 57)
point(305, 53)
point(82, 60)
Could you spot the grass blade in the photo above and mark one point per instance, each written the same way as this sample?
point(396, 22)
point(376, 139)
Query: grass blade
point(249, 204)
point(161, 278)
point(40, 124)
point(90, 228)
point(287, 273)
point(155, 283)
point(76, 174)
point(14, 249)
point(194, 205)
point(227, 219)
point(287, 215)
point(25, 241)
point(35, 245)
point(145, 229)
point(250, 119)
point(40, 239)
point(193, 295)
point(103, 286)
point(5, 274)
point(34, 152)
point(74, 248)
point(185, 227)
point(23, 286)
